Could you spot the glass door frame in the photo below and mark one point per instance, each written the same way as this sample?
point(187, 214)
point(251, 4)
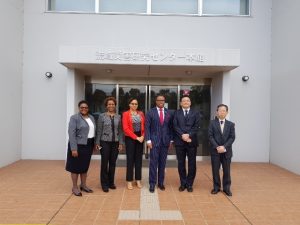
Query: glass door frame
point(148, 88)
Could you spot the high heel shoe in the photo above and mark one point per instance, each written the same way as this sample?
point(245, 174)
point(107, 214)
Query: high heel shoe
point(129, 186)
point(76, 193)
point(139, 184)
point(86, 189)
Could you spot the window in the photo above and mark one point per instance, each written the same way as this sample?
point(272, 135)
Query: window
point(175, 6)
point(184, 7)
point(71, 5)
point(95, 95)
point(225, 7)
point(123, 6)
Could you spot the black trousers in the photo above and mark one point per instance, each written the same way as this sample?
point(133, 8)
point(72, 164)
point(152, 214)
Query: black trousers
point(109, 155)
point(216, 161)
point(134, 154)
point(186, 178)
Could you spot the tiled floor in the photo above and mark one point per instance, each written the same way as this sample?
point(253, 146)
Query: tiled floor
point(38, 192)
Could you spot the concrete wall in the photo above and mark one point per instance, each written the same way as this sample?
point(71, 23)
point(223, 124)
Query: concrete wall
point(11, 23)
point(45, 32)
point(285, 85)
point(216, 94)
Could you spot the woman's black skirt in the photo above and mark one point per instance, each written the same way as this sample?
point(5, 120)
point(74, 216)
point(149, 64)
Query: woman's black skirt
point(81, 163)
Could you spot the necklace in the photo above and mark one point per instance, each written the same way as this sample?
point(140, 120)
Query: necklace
point(110, 114)
point(133, 113)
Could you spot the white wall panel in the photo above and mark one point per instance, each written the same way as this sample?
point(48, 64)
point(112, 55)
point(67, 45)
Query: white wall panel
point(249, 102)
point(285, 85)
point(11, 41)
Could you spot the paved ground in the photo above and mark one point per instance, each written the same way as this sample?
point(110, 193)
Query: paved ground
point(39, 192)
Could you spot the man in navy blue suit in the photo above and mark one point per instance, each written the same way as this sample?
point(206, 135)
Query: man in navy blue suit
point(159, 140)
point(221, 135)
point(186, 124)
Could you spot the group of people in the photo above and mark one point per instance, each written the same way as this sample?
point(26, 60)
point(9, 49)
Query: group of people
point(161, 129)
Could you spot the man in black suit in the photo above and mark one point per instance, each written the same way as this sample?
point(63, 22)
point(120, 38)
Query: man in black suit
point(221, 135)
point(186, 125)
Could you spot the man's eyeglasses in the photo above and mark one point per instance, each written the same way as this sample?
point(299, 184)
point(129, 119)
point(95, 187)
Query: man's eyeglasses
point(83, 107)
point(133, 104)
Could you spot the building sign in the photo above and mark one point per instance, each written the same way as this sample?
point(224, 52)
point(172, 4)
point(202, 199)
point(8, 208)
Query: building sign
point(148, 56)
point(121, 56)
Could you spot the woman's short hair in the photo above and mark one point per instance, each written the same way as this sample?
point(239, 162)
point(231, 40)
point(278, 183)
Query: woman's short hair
point(82, 102)
point(110, 98)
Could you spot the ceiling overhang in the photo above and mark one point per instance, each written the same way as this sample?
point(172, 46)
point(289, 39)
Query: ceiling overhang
point(98, 61)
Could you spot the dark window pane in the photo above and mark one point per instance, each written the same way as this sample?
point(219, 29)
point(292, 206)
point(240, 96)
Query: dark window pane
point(95, 94)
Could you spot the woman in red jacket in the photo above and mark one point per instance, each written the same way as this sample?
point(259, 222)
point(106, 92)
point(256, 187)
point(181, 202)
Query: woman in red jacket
point(133, 122)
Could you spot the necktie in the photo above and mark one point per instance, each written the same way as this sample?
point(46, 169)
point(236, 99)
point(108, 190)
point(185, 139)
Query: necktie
point(161, 116)
point(185, 113)
point(222, 125)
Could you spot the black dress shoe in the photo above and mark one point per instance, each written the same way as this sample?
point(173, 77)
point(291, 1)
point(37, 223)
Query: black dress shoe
point(228, 192)
point(76, 193)
point(112, 186)
point(181, 188)
point(151, 189)
point(105, 189)
point(86, 189)
point(162, 187)
point(215, 191)
point(189, 189)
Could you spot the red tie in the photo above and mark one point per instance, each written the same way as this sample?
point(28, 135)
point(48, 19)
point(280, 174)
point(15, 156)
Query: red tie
point(161, 116)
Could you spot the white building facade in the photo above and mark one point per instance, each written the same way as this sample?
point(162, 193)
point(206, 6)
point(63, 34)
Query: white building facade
point(155, 48)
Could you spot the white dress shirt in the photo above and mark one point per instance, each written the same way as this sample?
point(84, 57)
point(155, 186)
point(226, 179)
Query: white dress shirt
point(92, 128)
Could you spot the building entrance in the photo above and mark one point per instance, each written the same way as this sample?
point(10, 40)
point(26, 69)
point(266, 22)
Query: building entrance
point(95, 94)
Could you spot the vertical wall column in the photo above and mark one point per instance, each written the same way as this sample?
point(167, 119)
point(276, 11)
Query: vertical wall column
point(75, 93)
point(220, 91)
point(216, 93)
point(70, 93)
point(226, 90)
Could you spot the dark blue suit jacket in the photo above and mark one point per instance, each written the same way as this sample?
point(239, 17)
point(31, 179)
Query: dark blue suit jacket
point(216, 138)
point(160, 135)
point(188, 125)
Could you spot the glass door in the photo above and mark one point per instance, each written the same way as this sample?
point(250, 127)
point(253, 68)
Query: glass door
point(126, 92)
point(200, 96)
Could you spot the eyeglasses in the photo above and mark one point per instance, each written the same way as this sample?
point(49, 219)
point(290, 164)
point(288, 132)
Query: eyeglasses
point(83, 107)
point(160, 100)
point(133, 104)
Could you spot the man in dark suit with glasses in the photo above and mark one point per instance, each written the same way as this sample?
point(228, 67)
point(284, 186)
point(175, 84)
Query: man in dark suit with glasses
point(221, 135)
point(186, 124)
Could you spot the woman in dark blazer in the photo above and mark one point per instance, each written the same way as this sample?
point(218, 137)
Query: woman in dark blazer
point(82, 129)
point(109, 141)
point(134, 129)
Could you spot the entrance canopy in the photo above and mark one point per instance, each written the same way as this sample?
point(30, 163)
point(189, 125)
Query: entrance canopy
point(145, 62)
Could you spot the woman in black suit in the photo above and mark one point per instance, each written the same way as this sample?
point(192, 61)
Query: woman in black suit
point(82, 129)
point(109, 141)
